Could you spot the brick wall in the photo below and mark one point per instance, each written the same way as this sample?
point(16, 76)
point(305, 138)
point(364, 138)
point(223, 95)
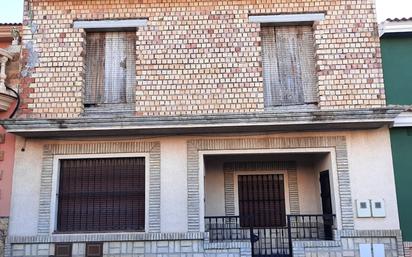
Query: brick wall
point(198, 57)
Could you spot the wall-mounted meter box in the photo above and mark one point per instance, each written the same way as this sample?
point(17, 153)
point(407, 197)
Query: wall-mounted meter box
point(371, 250)
point(378, 208)
point(365, 250)
point(363, 208)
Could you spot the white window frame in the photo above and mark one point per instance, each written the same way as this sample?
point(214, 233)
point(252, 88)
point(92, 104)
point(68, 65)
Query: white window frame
point(56, 176)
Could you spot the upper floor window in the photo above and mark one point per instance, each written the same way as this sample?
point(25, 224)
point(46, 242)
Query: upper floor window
point(110, 69)
point(289, 74)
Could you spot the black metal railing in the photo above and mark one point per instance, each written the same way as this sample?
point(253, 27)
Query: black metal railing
point(223, 228)
point(298, 227)
point(311, 227)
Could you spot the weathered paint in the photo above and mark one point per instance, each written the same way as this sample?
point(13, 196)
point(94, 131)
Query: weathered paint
point(6, 166)
point(7, 146)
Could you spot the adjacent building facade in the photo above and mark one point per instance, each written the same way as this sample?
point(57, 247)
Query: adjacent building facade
point(396, 43)
point(9, 79)
point(202, 128)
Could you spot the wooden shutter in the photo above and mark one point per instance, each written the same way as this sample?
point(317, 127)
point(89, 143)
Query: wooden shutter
point(101, 195)
point(110, 67)
point(288, 57)
point(63, 250)
point(94, 249)
point(95, 63)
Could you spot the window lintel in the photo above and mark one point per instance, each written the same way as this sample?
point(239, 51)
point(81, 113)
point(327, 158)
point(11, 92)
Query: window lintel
point(110, 24)
point(287, 18)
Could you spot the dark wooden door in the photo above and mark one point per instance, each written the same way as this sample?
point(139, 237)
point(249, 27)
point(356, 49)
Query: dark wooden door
point(326, 203)
point(262, 200)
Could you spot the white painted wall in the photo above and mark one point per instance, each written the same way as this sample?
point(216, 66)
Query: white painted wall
point(26, 188)
point(308, 183)
point(370, 164)
point(173, 185)
point(214, 188)
point(372, 177)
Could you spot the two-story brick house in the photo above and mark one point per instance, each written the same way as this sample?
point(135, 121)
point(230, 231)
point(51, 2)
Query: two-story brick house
point(202, 128)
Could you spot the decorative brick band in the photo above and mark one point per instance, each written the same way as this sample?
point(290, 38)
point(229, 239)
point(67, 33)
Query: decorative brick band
point(407, 246)
point(186, 247)
point(231, 168)
point(347, 241)
point(229, 183)
point(338, 143)
point(49, 151)
point(104, 237)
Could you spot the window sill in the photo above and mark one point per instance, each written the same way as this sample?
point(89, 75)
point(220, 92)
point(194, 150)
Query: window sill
point(292, 108)
point(105, 237)
point(123, 110)
point(57, 233)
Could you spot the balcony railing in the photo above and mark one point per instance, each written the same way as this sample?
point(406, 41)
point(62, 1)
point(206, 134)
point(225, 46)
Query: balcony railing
point(298, 227)
point(223, 228)
point(312, 227)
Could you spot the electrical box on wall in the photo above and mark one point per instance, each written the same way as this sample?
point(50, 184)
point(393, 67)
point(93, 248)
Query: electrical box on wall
point(363, 208)
point(365, 250)
point(378, 208)
point(371, 250)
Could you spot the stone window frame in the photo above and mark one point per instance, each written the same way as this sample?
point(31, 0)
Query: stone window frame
point(55, 184)
point(53, 151)
point(197, 147)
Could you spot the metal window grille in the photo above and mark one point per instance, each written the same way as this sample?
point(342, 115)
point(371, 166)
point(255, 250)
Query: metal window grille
point(262, 200)
point(63, 250)
point(94, 249)
point(289, 74)
point(110, 68)
point(101, 195)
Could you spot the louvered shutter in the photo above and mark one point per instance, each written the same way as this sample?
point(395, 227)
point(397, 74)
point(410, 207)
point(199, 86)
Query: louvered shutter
point(101, 195)
point(288, 57)
point(110, 67)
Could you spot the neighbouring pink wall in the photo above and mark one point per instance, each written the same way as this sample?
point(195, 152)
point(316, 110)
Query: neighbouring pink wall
point(7, 147)
point(6, 166)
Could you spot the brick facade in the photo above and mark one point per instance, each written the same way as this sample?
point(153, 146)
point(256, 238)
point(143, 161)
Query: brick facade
point(198, 57)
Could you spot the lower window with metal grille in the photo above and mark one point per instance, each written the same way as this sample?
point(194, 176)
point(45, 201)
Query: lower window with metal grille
point(101, 195)
point(94, 249)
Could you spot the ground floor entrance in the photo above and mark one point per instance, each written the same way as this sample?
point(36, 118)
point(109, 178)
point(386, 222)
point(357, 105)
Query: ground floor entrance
point(269, 200)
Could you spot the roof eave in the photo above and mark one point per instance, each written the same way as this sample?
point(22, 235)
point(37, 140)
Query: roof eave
point(229, 123)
